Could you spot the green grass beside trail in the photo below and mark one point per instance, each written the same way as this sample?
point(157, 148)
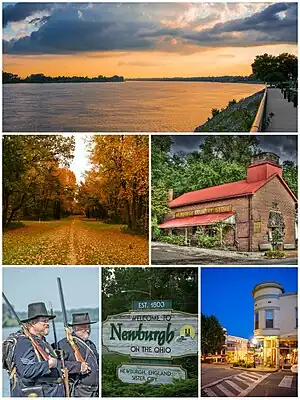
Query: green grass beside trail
point(113, 387)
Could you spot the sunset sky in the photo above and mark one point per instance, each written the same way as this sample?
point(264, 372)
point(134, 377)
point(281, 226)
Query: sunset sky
point(143, 39)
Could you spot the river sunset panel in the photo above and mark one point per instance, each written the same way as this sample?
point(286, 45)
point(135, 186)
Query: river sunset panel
point(116, 107)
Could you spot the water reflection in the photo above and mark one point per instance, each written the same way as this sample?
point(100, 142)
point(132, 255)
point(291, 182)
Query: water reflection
point(115, 107)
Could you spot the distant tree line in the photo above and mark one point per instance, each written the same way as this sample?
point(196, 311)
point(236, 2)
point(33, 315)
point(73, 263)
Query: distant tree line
point(8, 77)
point(225, 79)
point(8, 319)
point(268, 68)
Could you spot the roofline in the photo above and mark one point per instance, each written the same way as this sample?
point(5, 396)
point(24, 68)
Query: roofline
point(289, 294)
point(240, 195)
point(214, 199)
point(267, 284)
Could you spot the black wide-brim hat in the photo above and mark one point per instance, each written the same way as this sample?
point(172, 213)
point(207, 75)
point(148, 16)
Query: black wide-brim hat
point(81, 319)
point(36, 310)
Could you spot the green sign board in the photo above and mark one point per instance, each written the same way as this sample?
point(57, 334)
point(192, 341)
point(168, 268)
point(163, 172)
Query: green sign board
point(152, 305)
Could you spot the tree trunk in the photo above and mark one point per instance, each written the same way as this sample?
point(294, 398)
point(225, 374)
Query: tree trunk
point(14, 210)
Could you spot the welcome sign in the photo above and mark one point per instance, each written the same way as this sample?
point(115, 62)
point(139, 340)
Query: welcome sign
point(152, 334)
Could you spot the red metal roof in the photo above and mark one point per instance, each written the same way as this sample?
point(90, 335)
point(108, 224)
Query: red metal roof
point(204, 219)
point(227, 190)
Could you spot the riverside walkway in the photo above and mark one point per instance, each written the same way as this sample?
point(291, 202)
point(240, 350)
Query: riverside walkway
point(282, 114)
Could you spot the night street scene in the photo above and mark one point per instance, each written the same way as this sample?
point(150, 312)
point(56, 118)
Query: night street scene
point(249, 332)
point(224, 200)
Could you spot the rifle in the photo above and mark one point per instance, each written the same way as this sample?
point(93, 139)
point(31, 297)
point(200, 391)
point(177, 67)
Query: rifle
point(64, 370)
point(69, 336)
point(40, 350)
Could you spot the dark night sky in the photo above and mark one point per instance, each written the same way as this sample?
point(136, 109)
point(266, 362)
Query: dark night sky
point(227, 293)
point(285, 146)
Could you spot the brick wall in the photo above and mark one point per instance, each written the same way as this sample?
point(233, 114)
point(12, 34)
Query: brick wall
point(263, 203)
point(240, 207)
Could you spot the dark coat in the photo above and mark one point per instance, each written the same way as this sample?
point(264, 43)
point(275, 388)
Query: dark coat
point(83, 385)
point(32, 370)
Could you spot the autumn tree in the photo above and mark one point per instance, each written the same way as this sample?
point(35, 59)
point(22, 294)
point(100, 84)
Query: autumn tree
point(30, 164)
point(117, 184)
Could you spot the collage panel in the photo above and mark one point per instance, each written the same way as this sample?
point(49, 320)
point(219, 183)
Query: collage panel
point(74, 200)
point(150, 67)
point(150, 332)
point(224, 200)
point(116, 175)
point(50, 332)
point(249, 332)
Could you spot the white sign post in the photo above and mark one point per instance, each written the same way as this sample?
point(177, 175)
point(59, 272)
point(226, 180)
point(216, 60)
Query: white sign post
point(156, 334)
point(155, 374)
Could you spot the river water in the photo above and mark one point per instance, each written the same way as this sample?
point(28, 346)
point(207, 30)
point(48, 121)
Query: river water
point(50, 339)
point(116, 107)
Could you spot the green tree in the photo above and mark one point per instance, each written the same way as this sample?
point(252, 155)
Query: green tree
point(28, 163)
point(266, 66)
point(290, 175)
point(233, 148)
point(120, 286)
point(212, 335)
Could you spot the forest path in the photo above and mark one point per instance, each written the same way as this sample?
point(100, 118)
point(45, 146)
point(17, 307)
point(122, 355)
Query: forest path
point(72, 260)
point(73, 241)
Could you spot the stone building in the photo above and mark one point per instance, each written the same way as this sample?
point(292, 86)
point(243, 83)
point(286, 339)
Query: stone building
point(275, 325)
point(249, 213)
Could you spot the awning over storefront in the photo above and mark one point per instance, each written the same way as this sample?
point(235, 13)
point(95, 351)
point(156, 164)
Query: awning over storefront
point(292, 335)
point(205, 219)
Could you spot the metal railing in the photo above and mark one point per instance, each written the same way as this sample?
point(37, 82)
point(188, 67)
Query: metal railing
point(258, 123)
point(291, 95)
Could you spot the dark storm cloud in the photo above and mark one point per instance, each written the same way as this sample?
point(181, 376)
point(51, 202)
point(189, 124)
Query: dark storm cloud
point(270, 26)
point(285, 146)
point(78, 36)
point(88, 27)
point(20, 11)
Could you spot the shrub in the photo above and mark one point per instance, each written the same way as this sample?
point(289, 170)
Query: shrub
point(172, 239)
point(206, 241)
point(232, 103)
point(274, 254)
point(215, 112)
point(113, 387)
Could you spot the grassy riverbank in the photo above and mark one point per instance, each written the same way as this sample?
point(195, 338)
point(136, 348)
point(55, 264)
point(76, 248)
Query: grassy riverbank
point(236, 117)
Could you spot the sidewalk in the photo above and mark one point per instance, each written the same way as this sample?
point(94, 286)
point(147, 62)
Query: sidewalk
point(257, 369)
point(285, 115)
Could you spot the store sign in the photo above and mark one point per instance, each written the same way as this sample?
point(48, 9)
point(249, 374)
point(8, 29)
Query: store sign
point(202, 211)
point(154, 374)
point(152, 334)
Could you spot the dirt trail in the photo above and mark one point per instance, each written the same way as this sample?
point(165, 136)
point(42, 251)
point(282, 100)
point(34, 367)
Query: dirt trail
point(72, 259)
point(73, 241)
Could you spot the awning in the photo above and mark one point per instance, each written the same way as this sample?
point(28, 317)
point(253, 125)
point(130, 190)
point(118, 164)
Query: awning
point(205, 219)
point(292, 335)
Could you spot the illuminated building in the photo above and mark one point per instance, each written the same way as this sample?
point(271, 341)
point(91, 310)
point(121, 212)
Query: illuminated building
point(275, 325)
